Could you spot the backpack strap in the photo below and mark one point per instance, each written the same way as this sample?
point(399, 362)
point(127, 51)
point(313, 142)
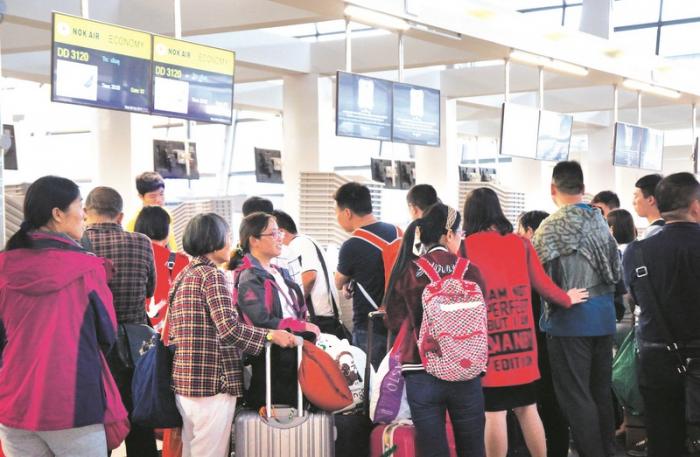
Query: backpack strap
point(461, 267)
point(424, 265)
point(375, 240)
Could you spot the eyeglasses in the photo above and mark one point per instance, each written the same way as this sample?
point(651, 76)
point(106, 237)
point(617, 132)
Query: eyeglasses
point(275, 234)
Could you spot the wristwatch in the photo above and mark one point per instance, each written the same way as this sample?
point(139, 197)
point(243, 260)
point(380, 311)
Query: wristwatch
point(268, 337)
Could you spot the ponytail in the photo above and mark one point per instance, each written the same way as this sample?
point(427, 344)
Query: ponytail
point(237, 258)
point(405, 256)
point(251, 226)
point(21, 238)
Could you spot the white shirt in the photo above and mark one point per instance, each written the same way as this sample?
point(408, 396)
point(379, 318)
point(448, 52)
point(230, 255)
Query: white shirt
point(303, 249)
point(290, 262)
point(284, 295)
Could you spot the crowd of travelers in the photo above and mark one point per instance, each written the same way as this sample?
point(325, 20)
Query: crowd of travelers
point(539, 308)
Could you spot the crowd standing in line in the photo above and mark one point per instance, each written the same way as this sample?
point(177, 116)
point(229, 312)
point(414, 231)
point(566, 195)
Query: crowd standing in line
point(91, 282)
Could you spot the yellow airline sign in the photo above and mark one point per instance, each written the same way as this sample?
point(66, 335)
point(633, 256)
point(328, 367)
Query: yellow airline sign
point(191, 55)
point(81, 32)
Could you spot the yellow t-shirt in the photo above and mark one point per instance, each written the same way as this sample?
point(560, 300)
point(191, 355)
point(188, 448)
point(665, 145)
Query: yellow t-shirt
point(171, 237)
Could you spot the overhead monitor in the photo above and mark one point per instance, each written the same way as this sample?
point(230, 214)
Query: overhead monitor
point(519, 126)
point(192, 81)
point(100, 65)
point(554, 136)
point(488, 174)
point(363, 107)
point(383, 171)
point(638, 147)
point(175, 159)
point(268, 165)
point(416, 115)
point(405, 174)
point(10, 155)
point(468, 174)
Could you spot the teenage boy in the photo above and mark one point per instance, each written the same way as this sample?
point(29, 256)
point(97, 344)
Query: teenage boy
point(151, 189)
point(606, 201)
point(419, 198)
point(644, 203)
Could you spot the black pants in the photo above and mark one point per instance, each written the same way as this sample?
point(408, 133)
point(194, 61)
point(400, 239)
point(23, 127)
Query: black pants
point(582, 376)
point(662, 389)
point(556, 428)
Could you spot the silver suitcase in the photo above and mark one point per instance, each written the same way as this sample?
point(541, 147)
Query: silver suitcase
point(285, 431)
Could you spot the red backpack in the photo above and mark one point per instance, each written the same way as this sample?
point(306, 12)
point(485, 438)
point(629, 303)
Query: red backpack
point(390, 252)
point(453, 342)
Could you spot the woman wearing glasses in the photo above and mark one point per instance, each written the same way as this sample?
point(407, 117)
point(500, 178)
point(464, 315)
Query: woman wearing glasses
point(509, 267)
point(269, 298)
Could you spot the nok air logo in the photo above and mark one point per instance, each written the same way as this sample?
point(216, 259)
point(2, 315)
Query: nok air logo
point(161, 49)
point(63, 29)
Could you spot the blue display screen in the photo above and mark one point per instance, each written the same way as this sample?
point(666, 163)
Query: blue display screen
point(363, 107)
point(416, 118)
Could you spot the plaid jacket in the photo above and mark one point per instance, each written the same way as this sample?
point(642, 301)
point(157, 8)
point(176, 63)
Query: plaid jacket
point(134, 271)
point(209, 336)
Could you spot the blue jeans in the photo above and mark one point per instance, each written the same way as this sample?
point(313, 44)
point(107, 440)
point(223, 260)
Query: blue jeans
point(359, 339)
point(429, 398)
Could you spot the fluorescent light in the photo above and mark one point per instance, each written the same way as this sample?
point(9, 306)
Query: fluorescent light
point(651, 89)
point(549, 63)
point(375, 18)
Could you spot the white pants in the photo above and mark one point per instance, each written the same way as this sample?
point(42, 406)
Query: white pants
point(206, 424)
point(88, 441)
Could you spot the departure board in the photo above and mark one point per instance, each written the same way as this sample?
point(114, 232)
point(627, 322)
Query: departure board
point(100, 65)
point(363, 107)
point(416, 117)
point(192, 81)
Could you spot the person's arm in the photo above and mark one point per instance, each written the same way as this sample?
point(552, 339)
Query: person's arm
point(308, 279)
point(544, 285)
point(151, 272)
point(100, 299)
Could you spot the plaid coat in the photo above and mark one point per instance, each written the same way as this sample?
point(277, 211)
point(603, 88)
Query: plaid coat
point(209, 336)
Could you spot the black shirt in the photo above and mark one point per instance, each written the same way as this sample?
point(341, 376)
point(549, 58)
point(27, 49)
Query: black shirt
point(363, 263)
point(672, 258)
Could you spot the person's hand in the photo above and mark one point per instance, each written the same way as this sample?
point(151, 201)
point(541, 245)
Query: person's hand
point(312, 328)
point(347, 291)
point(577, 295)
point(283, 338)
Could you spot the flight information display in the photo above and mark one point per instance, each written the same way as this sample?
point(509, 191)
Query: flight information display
point(100, 65)
point(363, 107)
point(554, 136)
point(519, 130)
point(416, 117)
point(192, 81)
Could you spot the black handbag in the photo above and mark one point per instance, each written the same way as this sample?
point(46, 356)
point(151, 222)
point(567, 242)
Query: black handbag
point(689, 368)
point(133, 340)
point(328, 324)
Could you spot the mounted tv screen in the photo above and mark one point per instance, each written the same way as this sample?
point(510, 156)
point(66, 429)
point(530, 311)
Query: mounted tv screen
point(554, 136)
point(10, 155)
point(416, 115)
point(488, 174)
point(468, 174)
point(100, 65)
point(192, 81)
point(638, 147)
point(405, 174)
point(363, 107)
point(268, 165)
point(175, 161)
point(383, 171)
point(519, 126)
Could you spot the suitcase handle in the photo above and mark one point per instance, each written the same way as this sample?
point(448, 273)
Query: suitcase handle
point(268, 379)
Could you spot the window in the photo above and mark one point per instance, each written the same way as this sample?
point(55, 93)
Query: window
point(633, 12)
point(548, 16)
point(680, 9)
point(642, 39)
point(572, 17)
point(676, 39)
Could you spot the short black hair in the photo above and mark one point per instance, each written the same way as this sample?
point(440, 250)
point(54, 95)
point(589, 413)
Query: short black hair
point(205, 233)
point(482, 211)
point(285, 221)
point(422, 196)
point(154, 222)
point(608, 198)
point(647, 184)
point(532, 219)
point(622, 224)
point(675, 193)
point(355, 197)
point(149, 181)
point(105, 201)
point(567, 177)
point(256, 204)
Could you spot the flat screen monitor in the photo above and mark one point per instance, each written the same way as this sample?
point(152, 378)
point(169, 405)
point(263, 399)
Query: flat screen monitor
point(10, 155)
point(554, 136)
point(383, 171)
point(405, 174)
point(268, 165)
point(638, 147)
point(192, 81)
point(416, 115)
point(468, 174)
point(100, 65)
point(363, 107)
point(175, 161)
point(519, 125)
point(652, 151)
point(488, 174)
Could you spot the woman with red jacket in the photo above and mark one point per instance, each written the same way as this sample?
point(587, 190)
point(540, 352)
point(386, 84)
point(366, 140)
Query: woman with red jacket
point(509, 267)
point(429, 397)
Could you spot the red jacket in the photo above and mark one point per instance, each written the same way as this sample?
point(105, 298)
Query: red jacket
point(56, 315)
point(509, 266)
point(164, 279)
point(406, 302)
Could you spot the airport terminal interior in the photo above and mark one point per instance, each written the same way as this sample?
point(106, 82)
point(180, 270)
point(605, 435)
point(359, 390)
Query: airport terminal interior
point(290, 99)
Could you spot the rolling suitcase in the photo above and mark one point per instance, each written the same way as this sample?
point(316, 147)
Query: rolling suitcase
point(283, 431)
